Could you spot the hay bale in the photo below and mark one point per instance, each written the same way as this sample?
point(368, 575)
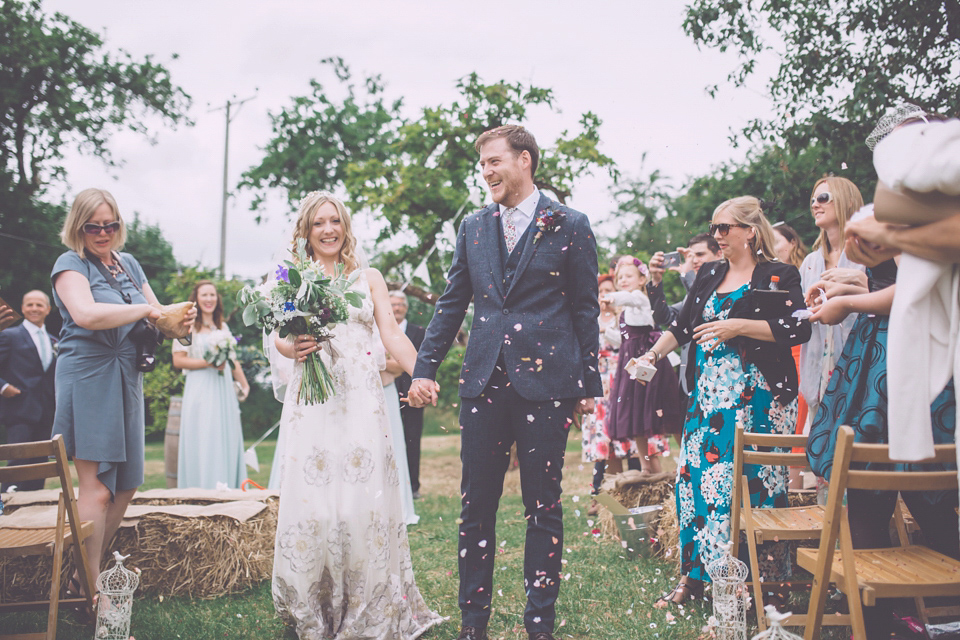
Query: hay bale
point(201, 557)
point(633, 490)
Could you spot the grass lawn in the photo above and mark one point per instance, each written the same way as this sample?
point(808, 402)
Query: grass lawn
point(604, 597)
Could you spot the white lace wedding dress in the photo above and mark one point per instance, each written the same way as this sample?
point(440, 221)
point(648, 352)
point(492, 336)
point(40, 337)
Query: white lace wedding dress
point(342, 565)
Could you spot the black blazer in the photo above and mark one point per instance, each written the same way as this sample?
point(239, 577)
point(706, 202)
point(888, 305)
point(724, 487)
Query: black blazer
point(773, 359)
point(542, 322)
point(20, 366)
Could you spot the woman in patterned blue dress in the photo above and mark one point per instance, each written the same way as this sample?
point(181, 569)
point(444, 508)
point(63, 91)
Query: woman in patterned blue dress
point(742, 371)
point(857, 396)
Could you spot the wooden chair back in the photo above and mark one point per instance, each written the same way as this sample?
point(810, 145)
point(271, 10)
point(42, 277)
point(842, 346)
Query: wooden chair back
point(14, 543)
point(847, 457)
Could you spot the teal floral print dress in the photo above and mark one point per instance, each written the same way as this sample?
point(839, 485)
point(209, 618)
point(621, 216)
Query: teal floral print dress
point(727, 393)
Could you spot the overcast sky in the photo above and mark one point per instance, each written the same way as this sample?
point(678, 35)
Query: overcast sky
point(627, 61)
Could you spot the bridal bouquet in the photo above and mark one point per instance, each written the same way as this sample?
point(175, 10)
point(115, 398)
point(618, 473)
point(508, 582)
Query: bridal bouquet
point(221, 351)
point(302, 299)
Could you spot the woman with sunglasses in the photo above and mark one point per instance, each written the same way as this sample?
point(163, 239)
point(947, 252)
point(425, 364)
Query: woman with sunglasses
point(740, 371)
point(832, 202)
point(102, 296)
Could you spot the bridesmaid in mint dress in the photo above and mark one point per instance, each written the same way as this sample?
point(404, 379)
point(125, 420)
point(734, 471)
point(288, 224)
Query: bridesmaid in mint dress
point(211, 438)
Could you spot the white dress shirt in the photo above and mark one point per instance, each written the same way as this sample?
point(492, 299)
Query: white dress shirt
point(525, 211)
point(40, 336)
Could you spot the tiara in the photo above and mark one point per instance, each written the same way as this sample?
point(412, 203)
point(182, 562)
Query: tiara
point(313, 194)
point(893, 119)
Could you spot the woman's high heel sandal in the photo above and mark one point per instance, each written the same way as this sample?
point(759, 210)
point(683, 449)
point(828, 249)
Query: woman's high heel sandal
point(687, 589)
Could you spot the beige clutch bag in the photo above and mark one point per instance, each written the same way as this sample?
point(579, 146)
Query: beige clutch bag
point(912, 208)
point(171, 319)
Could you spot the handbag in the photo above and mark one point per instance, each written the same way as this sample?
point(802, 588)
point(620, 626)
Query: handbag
point(913, 208)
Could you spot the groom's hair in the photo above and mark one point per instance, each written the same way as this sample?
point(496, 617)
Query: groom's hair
point(518, 138)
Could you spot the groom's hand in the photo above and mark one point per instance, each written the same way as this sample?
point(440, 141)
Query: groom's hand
point(584, 406)
point(422, 392)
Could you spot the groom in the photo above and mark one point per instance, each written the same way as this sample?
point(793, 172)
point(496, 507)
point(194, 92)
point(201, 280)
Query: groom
point(530, 266)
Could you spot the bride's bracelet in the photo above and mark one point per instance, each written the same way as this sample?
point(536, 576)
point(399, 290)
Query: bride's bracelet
point(656, 356)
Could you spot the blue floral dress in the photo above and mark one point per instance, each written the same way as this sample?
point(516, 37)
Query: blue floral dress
point(726, 394)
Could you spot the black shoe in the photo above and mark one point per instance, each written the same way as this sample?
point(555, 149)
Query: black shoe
point(472, 633)
point(542, 635)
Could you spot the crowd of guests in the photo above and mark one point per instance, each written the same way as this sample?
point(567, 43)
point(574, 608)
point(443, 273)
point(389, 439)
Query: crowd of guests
point(773, 370)
point(770, 337)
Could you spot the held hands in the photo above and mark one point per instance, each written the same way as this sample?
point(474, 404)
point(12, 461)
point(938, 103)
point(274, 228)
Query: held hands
point(710, 334)
point(422, 392)
point(825, 290)
point(585, 406)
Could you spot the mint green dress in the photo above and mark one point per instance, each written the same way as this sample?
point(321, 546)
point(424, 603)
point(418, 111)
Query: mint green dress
point(211, 438)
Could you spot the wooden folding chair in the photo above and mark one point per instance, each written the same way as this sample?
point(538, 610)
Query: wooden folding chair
point(770, 524)
point(52, 540)
point(864, 575)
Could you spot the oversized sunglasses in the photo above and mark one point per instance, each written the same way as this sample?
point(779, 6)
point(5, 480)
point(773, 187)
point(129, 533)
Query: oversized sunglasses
point(724, 228)
point(822, 198)
point(94, 229)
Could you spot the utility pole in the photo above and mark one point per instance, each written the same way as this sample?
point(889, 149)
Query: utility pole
point(226, 192)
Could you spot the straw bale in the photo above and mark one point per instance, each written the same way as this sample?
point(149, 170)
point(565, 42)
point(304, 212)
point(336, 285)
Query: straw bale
point(632, 490)
point(201, 557)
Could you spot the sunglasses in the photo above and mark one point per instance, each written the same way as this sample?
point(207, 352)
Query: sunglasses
point(94, 229)
point(724, 228)
point(822, 198)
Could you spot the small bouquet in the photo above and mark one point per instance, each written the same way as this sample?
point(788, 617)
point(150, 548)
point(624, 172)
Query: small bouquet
point(221, 352)
point(303, 300)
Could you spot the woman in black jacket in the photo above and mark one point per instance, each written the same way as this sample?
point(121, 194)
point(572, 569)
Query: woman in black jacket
point(739, 312)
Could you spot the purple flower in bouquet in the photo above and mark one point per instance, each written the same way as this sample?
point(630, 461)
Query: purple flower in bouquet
point(283, 273)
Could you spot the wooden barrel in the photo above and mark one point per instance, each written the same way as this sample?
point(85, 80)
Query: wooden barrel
point(171, 441)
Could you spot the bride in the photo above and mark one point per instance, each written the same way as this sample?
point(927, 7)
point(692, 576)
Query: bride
point(342, 565)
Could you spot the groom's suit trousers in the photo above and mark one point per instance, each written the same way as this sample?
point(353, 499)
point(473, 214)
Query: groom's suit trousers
point(490, 424)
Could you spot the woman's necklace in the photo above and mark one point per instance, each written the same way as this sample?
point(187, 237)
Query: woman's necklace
point(115, 269)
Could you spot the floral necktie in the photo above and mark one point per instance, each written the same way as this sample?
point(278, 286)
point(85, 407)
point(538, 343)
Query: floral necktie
point(509, 228)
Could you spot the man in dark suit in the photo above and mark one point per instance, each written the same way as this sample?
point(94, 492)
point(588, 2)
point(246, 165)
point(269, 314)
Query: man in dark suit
point(530, 266)
point(27, 370)
point(412, 416)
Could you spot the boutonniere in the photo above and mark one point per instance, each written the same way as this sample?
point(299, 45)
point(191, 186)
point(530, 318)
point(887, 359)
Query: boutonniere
point(55, 347)
point(548, 219)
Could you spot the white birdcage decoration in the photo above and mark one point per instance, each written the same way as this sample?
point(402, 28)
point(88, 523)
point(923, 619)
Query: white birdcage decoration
point(116, 587)
point(776, 631)
point(730, 595)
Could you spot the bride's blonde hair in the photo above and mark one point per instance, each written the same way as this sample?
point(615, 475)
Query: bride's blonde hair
point(308, 210)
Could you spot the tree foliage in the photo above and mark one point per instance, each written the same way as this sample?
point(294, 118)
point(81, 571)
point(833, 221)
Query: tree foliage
point(60, 88)
point(417, 174)
point(841, 63)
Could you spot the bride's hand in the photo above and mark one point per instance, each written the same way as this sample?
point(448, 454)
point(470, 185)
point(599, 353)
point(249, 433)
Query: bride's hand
point(303, 346)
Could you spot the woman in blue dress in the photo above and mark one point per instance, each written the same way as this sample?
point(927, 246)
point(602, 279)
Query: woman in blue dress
point(103, 296)
point(857, 396)
point(211, 437)
point(742, 372)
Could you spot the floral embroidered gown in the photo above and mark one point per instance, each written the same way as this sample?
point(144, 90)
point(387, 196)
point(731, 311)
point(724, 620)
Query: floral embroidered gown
point(726, 393)
point(342, 565)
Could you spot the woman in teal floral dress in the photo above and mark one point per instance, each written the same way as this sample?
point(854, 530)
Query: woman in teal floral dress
point(742, 372)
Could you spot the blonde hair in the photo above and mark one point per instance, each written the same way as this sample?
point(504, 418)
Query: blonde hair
point(84, 206)
point(847, 200)
point(747, 210)
point(798, 250)
point(308, 210)
point(636, 263)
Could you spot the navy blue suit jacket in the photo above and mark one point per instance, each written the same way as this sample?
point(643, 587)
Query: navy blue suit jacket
point(20, 366)
point(544, 322)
